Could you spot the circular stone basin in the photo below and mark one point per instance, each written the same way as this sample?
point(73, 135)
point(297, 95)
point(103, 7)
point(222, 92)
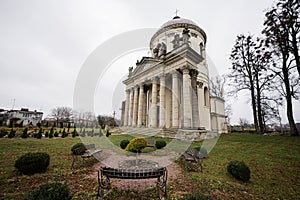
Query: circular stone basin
point(138, 164)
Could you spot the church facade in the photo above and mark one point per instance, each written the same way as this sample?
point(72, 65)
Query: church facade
point(170, 88)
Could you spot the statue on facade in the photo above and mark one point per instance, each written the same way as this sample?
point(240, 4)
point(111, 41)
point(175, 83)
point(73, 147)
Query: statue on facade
point(156, 50)
point(130, 71)
point(185, 35)
point(162, 49)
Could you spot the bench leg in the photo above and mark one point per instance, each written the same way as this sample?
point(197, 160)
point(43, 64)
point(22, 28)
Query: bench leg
point(161, 185)
point(103, 183)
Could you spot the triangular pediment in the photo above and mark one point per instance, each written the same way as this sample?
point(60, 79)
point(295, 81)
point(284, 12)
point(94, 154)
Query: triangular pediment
point(145, 64)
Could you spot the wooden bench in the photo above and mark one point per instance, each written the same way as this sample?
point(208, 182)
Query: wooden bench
point(193, 155)
point(84, 152)
point(106, 173)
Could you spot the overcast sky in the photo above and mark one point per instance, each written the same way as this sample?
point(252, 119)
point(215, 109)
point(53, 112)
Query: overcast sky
point(43, 45)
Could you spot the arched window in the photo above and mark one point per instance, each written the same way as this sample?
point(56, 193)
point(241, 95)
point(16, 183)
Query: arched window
point(206, 96)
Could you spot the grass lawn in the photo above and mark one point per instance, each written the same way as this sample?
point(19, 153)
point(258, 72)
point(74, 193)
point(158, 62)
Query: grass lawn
point(274, 162)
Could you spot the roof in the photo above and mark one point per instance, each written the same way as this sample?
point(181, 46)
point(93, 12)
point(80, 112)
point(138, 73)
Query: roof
point(178, 22)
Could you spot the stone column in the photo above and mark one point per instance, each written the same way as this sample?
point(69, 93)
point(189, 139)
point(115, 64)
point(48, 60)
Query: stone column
point(141, 106)
point(195, 109)
point(145, 109)
point(130, 108)
point(154, 102)
point(187, 107)
point(168, 108)
point(162, 94)
point(126, 108)
point(175, 100)
point(135, 106)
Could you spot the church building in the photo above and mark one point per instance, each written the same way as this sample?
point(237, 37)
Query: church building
point(170, 89)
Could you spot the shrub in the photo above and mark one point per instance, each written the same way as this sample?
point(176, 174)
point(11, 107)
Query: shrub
point(75, 146)
point(25, 134)
point(63, 134)
point(50, 135)
point(160, 144)
point(12, 133)
point(52, 130)
point(50, 191)
point(107, 133)
point(136, 145)
point(124, 143)
point(74, 133)
point(197, 196)
point(46, 134)
point(39, 135)
point(56, 134)
point(3, 133)
point(239, 170)
point(31, 163)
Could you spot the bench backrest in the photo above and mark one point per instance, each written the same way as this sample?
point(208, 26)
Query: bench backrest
point(194, 152)
point(132, 173)
point(90, 146)
point(79, 151)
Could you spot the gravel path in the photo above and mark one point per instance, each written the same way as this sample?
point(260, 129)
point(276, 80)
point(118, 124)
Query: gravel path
point(114, 159)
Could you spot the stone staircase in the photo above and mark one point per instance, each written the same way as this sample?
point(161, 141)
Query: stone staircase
point(182, 134)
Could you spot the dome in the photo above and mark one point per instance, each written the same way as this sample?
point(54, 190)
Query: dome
point(178, 22)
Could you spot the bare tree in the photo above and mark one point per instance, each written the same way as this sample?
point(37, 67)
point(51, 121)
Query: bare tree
point(61, 114)
point(217, 85)
point(243, 123)
point(281, 27)
point(242, 75)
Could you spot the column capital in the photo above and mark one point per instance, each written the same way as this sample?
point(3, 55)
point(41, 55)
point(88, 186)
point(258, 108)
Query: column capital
point(154, 79)
point(162, 76)
point(185, 69)
point(174, 73)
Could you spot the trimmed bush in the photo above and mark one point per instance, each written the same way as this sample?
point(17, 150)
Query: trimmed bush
point(46, 134)
point(50, 191)
point(74, 133)
point(56, 134)
point(136, 145)
point(25, 134)
point(4, 133)
point(159, 144)
point(75, 146)
point(239, 170)
point(124, 143)
point(63, 134)
point(12, 133)
point(197, 196)
point(31, 163)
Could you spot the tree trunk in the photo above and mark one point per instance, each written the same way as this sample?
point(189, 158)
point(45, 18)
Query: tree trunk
point(296, 53)
point(259, 111)
point(289, 104)
point(254, 107)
